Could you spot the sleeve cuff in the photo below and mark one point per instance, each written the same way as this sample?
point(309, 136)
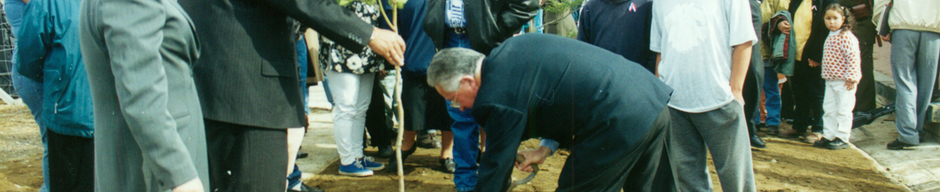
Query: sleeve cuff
point(551, 144)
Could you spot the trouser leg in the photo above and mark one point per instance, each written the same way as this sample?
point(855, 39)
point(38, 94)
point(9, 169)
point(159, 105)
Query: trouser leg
point(772, 95)
point(688, 153)
point(351, 95)
point(724, 135)
point(72, 163)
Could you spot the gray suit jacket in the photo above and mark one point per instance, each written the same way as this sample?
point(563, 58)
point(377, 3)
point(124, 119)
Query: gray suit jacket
point(148, 123)
point(248, 72)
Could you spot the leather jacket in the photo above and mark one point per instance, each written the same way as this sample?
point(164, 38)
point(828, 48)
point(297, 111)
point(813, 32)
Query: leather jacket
point(497, 21)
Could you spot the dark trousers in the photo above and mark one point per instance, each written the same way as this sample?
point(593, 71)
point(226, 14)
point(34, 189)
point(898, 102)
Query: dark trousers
point(256, 157)
point(424, 108)
point(379, 117)
point(865, 97)
point(751, 93)
point(808, 96)
point(645, 167)
point(71, 162)
point(786, 99)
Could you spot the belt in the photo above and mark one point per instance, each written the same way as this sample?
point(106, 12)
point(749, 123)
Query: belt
point(460, 30)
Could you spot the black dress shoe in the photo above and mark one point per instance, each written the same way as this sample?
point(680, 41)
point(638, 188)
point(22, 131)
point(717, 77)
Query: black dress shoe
point(385, 152)
point(301, 155)
point(449, 164)
point(898, 145)
point(757, 142)
point(836, 144)
point(393, 164)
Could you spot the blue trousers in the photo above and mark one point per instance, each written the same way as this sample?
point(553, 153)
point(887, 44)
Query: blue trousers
point(31, 92)
point(772, 95)
point(466, 147)
point(465, 128)
point(914, 62)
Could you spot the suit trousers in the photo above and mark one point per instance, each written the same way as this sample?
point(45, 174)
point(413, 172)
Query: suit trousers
point(721, 132)
point(246, 158)
point(644, 167)
point(838, 104)
point(72, 163)
point(914, 62)
point(865, 97)
point(352, 94)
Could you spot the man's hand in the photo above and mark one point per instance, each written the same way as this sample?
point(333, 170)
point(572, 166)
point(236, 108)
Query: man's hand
point(849, 85)
point(536, 156)
point(784, 27)
point(813, 63)
point(194, 185)
point(886, 38)
point(388, 44)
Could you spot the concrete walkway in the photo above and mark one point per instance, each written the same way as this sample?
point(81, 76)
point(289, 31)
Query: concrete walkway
point(917, 168)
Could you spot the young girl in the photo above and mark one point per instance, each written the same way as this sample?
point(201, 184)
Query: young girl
point(841, 69)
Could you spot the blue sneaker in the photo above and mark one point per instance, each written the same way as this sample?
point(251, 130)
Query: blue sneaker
point(355, 169)
point(370, 163)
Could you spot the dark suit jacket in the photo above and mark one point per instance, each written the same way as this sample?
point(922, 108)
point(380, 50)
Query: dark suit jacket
point(585, 97)
point(489, 22)
point(149, 131)
point(248, 70)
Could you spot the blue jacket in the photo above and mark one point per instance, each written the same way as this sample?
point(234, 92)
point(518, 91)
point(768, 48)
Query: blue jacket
point(48, 52)
point(419, 46)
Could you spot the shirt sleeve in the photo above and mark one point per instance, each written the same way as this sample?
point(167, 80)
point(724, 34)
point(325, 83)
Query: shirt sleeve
point(656, 37)
point(741, 27)
point(504, 128)
point(550, 143)
point(853, 60)
point(34, 38)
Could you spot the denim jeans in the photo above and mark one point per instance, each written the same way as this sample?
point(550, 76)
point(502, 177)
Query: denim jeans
point(31, 92)
point(772, 93)
point(465, 128)
point(302, 63)
point(466, 147)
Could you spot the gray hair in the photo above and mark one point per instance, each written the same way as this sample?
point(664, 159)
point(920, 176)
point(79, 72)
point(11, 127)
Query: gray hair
point(448, 65)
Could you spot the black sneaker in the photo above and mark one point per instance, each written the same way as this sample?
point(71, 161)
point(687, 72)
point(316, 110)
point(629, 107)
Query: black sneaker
point(449, 164)
point(898, 145)
point(836, 144)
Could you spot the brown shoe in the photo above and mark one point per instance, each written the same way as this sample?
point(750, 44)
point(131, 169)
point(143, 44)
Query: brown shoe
point(787, 133)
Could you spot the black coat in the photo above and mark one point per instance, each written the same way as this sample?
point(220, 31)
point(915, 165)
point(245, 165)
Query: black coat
point(489, 22)
point(248, 70)
point(585, 97)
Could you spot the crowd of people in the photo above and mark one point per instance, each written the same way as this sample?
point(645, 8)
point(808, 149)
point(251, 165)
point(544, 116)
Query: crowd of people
point(211, 95)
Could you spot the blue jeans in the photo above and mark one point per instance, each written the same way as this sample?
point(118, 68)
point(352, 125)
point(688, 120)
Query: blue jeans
point(302, 62)
point(466, 147)
point(772, 95)
point(465, 128)
point(31, 92)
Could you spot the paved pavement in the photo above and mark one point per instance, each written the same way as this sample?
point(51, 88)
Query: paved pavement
point(918, 168)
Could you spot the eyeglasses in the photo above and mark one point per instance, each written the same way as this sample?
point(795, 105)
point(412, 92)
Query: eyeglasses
point(453, 102)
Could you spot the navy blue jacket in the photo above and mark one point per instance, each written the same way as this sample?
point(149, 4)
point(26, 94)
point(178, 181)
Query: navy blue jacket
point(620, 26)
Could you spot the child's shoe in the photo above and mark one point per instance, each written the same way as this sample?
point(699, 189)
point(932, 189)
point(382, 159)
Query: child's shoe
point(836, 144)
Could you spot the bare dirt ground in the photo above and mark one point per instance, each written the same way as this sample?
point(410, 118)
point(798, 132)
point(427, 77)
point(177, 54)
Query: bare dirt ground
point(786, 165)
